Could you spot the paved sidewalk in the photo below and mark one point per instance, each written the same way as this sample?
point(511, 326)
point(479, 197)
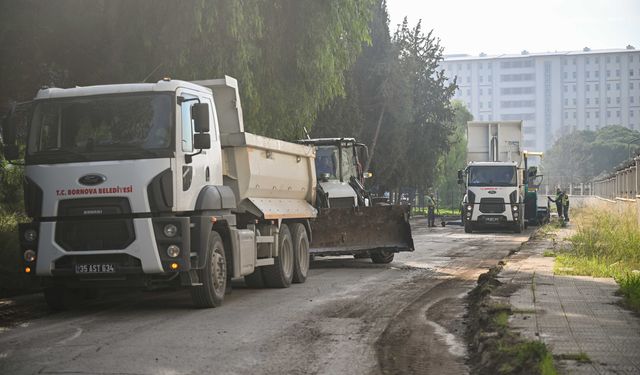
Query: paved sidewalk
point(572, 314)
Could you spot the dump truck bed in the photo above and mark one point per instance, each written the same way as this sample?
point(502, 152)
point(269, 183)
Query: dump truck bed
point(271, 178)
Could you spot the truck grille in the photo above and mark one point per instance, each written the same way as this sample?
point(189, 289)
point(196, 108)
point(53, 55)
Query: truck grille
point(83, 225)
point(491, 205)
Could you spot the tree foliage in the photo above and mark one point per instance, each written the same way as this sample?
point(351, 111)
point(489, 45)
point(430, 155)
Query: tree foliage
point(398, 102)
point(455, 159)
point(288, 55)
point(582, 155)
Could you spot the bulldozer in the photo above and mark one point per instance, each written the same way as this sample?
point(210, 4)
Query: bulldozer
point(348, 221)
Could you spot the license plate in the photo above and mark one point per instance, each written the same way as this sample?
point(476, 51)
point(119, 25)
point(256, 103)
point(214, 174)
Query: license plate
point(492, 219)
point(96, 268)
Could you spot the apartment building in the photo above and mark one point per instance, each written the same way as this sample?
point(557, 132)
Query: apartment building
point(554, 93)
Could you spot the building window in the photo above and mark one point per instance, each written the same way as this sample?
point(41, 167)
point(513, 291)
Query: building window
point(480, 91)
point(631, 99)
point(608, 59)
point(480, 78)
point(565, 75)
point(480, 65)
point(597, 87)
point(631, 85)
point(608, 114)
point(490, 104)
point(588, 101)
point(618, 100)
point(608, 73)
point(566, 115)
point(588, 87)
point(480, 105)
point(573, 61)
point(574, 115)
point(574, 75)
point(574, 101)
point(490, 90)
point(566, 102)
point(617, 85)
point(631, 113)
point(617, 72)
point(490, 78)
point(468, 79)
point(587, 73)
point(597, 101)
point(597, 73)
point(597, 114)
point(574, 88)
point(608, 100)
point(618, 114)
point(617, 59)
point(588, 114)
point(565, 88)
point(597, 60)
point(631, 72)
point(587, 60)
point(608, 87)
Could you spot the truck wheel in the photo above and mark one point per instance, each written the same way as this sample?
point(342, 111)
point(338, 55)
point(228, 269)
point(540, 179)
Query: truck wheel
point(279, 274)
point(467, 227)
point(213, 276)
point(255, 280)
point(382, 257)
point(300, 252)
point(517, 228)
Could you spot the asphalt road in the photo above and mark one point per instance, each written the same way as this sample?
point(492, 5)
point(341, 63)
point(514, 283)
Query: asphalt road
point(351, 316)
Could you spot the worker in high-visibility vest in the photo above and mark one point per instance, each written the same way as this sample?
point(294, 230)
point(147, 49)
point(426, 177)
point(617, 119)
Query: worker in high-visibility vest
point(431, 209)
point(565, 205)
point(558, 202)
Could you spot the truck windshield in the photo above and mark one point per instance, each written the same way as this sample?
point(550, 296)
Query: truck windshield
point(106, 127)
point(328, 161)
point(492, 176)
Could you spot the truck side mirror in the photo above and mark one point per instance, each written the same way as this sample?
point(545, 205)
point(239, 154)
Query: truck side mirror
point(201, 141)
point(460, 175)
point(200, 116)
point(324, 177)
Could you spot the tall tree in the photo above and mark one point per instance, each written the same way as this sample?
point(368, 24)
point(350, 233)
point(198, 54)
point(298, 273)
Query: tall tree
point(288, 55)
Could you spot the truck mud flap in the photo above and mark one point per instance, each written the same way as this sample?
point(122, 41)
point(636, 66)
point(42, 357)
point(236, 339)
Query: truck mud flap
point(345, 231)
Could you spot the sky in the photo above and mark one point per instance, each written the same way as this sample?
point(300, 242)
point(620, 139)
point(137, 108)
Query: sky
point(503, 26)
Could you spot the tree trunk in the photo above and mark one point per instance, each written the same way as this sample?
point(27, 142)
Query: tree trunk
point(375, 138)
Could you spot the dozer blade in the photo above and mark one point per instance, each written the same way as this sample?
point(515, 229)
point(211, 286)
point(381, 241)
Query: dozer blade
point(344, 231)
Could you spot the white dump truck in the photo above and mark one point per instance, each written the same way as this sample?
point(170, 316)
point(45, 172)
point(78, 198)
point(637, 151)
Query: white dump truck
point(493, 178)
point(136, 185)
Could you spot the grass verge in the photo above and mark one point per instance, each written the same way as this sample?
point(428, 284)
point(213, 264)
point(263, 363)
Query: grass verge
point(495, 349)
point(606, 244)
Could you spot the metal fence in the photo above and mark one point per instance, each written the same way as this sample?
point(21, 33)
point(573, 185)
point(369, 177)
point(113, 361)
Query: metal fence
point(622, 183)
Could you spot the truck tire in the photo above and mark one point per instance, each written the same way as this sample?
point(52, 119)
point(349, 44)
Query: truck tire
point(467, 227)
point(517, 228)
point(255, 280)
point(300, 252)
point(280, 273)
point(382, 257)
point(213, 276)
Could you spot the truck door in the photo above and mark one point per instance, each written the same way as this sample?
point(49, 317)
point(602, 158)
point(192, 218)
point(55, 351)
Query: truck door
point(205, 167)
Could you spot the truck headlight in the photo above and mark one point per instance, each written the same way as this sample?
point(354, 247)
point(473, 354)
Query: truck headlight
point(29, 256)
point(170, 230)
point(514, 208)
point(30, 235)
point(515, 215)
point(173, 251)
point(469, 208)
